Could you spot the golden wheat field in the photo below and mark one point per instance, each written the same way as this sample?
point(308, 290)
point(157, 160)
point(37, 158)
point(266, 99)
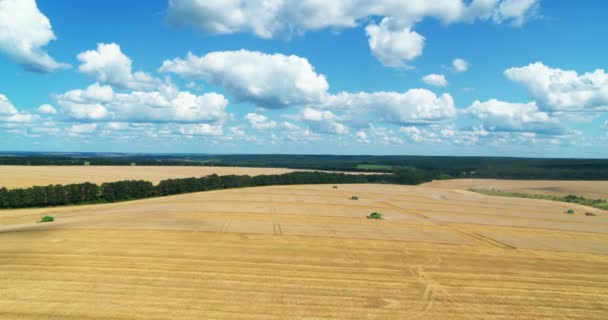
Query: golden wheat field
point(27, 176)
point(307, 252)
point(587, 189)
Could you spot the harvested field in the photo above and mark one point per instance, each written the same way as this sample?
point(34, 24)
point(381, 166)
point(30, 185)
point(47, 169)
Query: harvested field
point(587, 189)
point(27, 176)
point(306, 252)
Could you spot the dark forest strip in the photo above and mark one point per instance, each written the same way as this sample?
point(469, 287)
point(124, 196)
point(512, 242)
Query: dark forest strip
point(87, 193)
point(440, 166)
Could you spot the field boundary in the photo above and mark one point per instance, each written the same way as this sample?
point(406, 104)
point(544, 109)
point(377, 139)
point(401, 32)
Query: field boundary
point(591, 203)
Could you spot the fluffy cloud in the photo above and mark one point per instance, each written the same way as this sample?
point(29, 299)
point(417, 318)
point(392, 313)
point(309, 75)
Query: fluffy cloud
point(448, 134)
point(563, 90)
point(384, 136)
point(6, 107)
point(101, 103)
point(415, 106)
point(515, 11)
point(392, 44)
point(288, 126)
point(109, 65)
point(118, 126)
point(45, 128)
point(24, 123)
point(122, 131)
point(268, 80)
point(460, 65)
point(10, 114)
point(237, 132)
point(514, 117)
point(88, 104)
point(437, 80)
point(226, 17)
point(361, 136)
point(279, 81)
point(201, 129)
point(267, 19)
point(260, 122)
point(24, 31)
point(46, 109)
point(478, 135)
point(412, 132)
point(19, 118)
point(364, 110)
point(435, 133)
point(415, 134)
point(86, 128)
point(322, 121)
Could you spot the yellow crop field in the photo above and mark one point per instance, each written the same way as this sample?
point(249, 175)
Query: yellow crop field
point(587, 189)
point(307, 252)
point(27, 176)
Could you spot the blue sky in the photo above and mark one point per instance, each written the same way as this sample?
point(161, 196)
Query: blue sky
point(449, 77)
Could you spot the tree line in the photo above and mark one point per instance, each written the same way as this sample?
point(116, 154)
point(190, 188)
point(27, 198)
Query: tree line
point(444, 166)
point(85, 193)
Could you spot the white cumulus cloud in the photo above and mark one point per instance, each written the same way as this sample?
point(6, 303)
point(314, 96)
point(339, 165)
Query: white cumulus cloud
point(515, 11)
point(260, 122)
point(108, 64)
point(268, 80)
point(10, 114)
point(46, 109)
point(201, 129)
point(394, 44)
point(288, 126)
point(361, 136)
point(563, 90)
point(412, 132)
point(6, 107)
point(279, 81)
point(24, 31)
point(514, 117)
point(460, 65)
point(429, 134)
point(85, 128)
point(437, 80)
point(415, 106)
point(384, 136)
point(269, 18)
point(322, 121)
point(101, 103)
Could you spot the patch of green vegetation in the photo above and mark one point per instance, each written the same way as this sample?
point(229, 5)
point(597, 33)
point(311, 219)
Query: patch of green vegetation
point(570, 211)
point(335, 187)
point(375, 215)
point(354, 198)
point(47, 219)
point(374, 167)
point(595, 203)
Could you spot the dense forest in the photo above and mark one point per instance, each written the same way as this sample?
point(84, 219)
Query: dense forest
point(55, 195)
point(438, 166)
